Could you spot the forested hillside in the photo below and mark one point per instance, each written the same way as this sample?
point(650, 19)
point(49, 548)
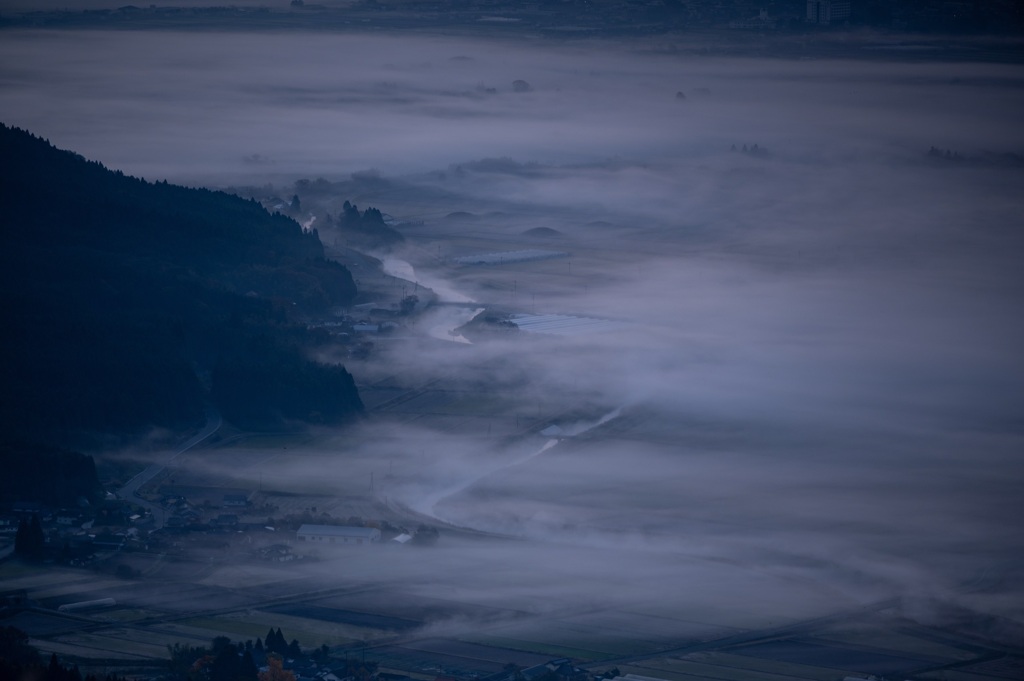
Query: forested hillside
point(128, 304)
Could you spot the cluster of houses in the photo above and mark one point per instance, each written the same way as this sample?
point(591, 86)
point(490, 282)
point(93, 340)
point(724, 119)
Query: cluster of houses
point(561, 669)
point(185, 516)
point(74, 535)
point(321, 667)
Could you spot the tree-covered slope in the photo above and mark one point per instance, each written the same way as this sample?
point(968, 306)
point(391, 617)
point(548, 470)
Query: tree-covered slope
point(127, 304)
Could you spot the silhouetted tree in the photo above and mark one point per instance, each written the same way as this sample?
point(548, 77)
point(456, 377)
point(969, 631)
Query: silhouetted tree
point(15, 648)
point(248, 670)
point(227, 665)
point(280, 642)
point(29, 541)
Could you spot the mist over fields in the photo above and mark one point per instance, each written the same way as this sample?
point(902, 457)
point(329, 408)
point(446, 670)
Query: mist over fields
point(815, 400)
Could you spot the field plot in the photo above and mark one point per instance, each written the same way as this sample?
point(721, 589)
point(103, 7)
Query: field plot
point(724, 616)
point(83, 651)
point(898, 642)
point(961, 675)
point(408, 606)
point(310, 632)
point(125, 614)
point(744, 665)
point(808, 651)
point(99, 647)
point(551, 649)
point(1005, 668)
point(349, 617)
point(402, 659)
point(597, 642)
point(174, 597)
point(15, 577)
point(40, 624)
point(206, 628)
point(75, 589)
point(656, 633)
point(689, 667)
point(662, 674)
point(249, 576)
point(451, 657)
point(158, 635)
point(77, 595)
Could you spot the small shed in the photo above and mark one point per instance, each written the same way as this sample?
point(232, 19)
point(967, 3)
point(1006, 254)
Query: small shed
point(235, 500)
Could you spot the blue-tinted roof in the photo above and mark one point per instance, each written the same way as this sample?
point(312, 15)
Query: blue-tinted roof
point(339, 531)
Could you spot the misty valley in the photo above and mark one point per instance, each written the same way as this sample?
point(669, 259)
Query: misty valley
point(344, 352)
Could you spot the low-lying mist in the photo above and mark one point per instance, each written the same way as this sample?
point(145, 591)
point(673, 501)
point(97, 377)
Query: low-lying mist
point(815, 399)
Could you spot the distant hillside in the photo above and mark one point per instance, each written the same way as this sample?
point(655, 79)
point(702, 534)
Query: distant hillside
point(127, 304)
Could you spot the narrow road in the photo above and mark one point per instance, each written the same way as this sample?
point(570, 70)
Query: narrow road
point(130, 490)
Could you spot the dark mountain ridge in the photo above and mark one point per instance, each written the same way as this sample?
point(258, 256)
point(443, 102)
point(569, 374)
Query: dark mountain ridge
point(128, 304)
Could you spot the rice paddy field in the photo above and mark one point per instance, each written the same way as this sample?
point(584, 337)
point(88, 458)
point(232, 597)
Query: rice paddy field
point(401, 631)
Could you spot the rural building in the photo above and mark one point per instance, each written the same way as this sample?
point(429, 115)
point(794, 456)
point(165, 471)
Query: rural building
point(759, 23)
point(27, 508)
point(561, 669)
point(236, 500)
point(109, 541)
point(338, 534)
point(225, 521)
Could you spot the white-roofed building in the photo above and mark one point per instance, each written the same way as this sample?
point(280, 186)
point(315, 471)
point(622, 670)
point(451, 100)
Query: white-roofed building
point(827, 12)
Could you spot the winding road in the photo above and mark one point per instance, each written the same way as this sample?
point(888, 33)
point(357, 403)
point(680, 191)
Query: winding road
point(130, 490)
